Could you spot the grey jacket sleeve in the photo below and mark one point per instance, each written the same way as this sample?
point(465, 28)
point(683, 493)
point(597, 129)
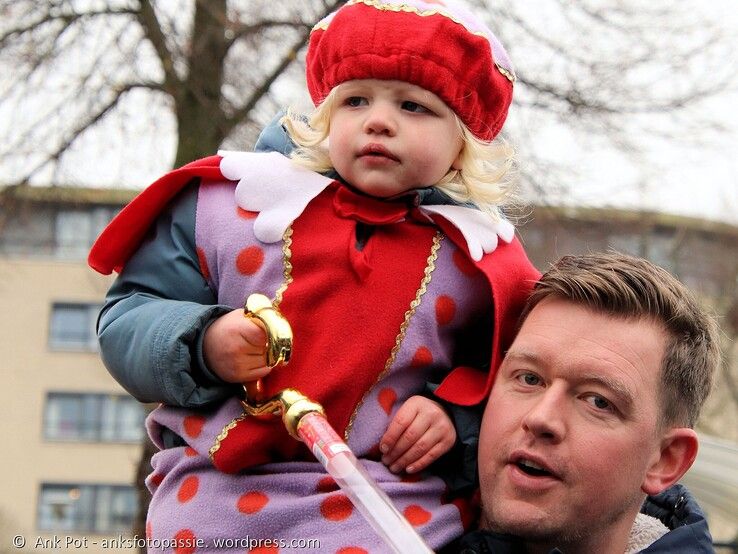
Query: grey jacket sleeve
point(155, 316)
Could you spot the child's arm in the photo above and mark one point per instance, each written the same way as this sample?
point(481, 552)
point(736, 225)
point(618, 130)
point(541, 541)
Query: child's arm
point(152, 326)
point(419, 434)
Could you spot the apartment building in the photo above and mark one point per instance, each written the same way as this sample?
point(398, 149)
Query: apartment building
point(71, 434)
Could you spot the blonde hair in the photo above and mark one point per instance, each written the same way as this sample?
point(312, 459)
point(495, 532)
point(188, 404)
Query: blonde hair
point(484, 180)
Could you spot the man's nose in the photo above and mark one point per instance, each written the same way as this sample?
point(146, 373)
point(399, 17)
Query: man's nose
point(546, 417)
point(380, 119)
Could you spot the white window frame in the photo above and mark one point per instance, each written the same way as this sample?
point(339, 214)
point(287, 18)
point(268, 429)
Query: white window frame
point(86, 507)
point(95, 417)
point(87, 332)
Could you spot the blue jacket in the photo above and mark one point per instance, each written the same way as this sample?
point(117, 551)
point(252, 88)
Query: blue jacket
point(675, 507)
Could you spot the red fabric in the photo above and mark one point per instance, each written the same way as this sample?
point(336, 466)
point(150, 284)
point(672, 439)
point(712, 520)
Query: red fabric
point(366, 208)
point(511, 277)
point(510, 274)
point(331, 309)
point(120, 239)
point(433, 52)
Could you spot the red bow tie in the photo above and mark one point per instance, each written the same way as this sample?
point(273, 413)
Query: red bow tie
point(367, 209)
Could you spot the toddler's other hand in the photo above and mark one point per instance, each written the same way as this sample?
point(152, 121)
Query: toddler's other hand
point(419, 434)
point(234, 348)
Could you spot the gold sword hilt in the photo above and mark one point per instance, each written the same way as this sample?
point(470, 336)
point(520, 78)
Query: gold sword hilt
point(290, 404)
point(279, 340)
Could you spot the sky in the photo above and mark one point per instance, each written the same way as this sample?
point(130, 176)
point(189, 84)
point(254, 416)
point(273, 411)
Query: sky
point(696, 179)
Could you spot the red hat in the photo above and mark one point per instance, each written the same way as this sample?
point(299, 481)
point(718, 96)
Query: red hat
point(435, 44)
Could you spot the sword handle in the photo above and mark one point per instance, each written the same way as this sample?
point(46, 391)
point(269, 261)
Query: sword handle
point(279, 339)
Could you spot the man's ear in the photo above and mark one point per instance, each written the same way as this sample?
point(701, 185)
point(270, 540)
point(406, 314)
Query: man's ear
point(677, 453)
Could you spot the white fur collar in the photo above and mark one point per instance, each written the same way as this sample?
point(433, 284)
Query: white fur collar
point(646, 530)
point(269, 183)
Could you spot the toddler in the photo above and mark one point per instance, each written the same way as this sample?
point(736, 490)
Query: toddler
point(380, 239)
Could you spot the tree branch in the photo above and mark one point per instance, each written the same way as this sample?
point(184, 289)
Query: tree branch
point(242, 113)
point(77, 132)
point(66, 18)
point(152, 29)
point(242, 30)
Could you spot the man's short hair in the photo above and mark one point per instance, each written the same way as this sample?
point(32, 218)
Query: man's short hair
point(630, 287)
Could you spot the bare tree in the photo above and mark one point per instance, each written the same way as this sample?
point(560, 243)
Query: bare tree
point(205, 65)
point(195, 74)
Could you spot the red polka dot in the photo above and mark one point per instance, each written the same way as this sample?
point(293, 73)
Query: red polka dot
point(336, 507)
point(445, 310)
point(246, 214)
point(464, 263)
point(352, 550)
point(422, 358)
point(204, 269)
point(467, 511)
point(156, 479)
point(249, 260)
point(190, 452)
point(252, 502)
point(185, 542)
point(188, 489)
point(264, 550)
point(416, 515)
point(326, 484)
point(374, 453)
point(149, 530)
point(193, 425)
point(387, 398)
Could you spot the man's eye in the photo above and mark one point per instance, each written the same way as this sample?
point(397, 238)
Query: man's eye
point(600, 402)
point(530, 379)
point(355, 101)
point(410, 106)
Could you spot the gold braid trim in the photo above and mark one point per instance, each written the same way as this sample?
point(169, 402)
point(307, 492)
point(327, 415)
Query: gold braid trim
point(378, 4)
point(509, 75)
point(431, 265)
point(223, 434)
point(287, 257)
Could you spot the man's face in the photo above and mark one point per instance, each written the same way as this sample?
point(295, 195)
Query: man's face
point(571, 427)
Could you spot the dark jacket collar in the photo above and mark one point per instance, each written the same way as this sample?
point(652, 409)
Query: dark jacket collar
point(679, 511)
point(675, 507)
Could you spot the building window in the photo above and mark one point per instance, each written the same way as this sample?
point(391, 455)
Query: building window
point(76, 230)
point(92, 417)
point(72, 326)
point(86, 508)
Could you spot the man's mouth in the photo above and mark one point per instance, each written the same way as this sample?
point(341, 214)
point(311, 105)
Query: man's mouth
point(533, 469)
point(533, 466)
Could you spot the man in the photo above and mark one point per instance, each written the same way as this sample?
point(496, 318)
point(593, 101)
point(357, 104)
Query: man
point(592, 412)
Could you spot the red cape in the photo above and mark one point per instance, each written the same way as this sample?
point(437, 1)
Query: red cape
point(510, 274)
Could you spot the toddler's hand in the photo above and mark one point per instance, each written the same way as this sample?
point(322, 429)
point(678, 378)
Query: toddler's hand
point(234, 348)
point(420, 433)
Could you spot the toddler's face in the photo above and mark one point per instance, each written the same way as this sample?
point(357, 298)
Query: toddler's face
point(388, 137)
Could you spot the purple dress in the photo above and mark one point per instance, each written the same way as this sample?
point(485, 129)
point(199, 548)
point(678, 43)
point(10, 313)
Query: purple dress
point(283, 506)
